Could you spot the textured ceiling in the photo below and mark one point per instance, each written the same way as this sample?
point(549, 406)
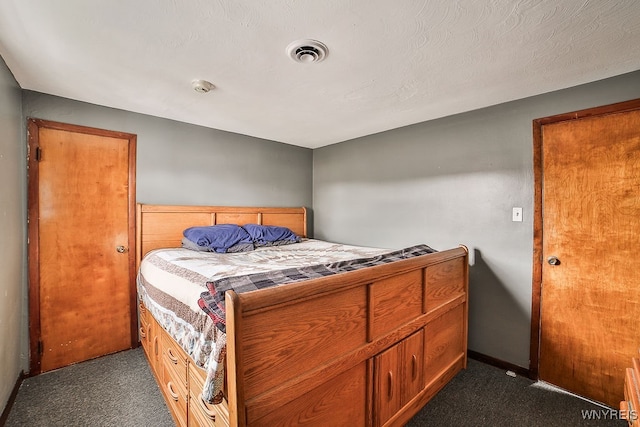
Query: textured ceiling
point(390, 63)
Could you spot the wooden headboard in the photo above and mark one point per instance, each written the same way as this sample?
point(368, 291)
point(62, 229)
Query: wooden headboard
point(161, 226)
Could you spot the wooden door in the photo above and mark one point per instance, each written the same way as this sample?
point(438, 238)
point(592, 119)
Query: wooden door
point(81, 230)
point(590, 269)
point(398, 376)
point(387, 393)
point(413, 366)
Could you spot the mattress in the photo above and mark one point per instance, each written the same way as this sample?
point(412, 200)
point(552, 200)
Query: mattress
point(171, 281)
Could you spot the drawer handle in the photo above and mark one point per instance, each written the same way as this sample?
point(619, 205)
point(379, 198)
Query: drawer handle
point(207, 411)
point(173, 358)
point(173, 394)
point(155, 345)
point(142, 334)
point(414, 367)
point(390, 385)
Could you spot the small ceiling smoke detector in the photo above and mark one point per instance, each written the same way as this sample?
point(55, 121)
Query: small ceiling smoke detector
point(202, 86)
point(307, 51)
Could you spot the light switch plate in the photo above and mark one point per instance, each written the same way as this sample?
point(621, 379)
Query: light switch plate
point(517, 215)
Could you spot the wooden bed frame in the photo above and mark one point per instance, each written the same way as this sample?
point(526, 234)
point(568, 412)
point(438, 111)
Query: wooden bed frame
point(365, 348)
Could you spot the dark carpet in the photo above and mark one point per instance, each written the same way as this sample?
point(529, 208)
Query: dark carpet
point(119, 390)
point(115, 390)
point(483, 395)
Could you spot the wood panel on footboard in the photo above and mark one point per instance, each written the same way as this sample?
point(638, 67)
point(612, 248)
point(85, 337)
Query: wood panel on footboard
point(369, 347)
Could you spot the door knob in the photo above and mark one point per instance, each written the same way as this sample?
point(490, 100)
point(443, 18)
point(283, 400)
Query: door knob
point(552, 260)
point(121, 249)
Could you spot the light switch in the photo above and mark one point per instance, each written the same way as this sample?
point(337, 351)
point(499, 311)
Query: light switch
point(517, 215)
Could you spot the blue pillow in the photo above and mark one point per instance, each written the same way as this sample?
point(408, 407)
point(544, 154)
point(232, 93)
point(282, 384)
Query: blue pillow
point(240, 247)
point(218, 238)
point(270, 235)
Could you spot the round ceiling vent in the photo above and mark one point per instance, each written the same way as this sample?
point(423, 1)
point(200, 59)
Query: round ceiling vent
point(307, 51)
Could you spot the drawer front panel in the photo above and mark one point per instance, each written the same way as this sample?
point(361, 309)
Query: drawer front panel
point(175, 359)
point(145, 339)
point(200, 412)
point(204, 414)
point(176, 395)
point(144, 335)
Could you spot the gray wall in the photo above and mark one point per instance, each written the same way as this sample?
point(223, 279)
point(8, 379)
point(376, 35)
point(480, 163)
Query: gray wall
point(13, 281)
point(450, 181)
point(179, 163)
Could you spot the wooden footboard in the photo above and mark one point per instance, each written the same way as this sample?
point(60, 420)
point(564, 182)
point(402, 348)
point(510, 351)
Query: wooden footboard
point(368, 347)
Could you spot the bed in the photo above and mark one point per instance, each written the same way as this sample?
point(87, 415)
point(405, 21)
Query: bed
point(366, 345)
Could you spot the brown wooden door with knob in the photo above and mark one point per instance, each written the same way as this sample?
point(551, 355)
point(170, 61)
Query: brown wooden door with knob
point(590, 269)
point(81, 241)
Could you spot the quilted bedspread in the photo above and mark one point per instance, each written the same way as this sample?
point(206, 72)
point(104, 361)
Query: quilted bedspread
point(212, 301)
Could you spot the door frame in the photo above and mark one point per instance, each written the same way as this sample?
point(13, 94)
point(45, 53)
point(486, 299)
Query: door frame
point(620, 107)
point(33, 206)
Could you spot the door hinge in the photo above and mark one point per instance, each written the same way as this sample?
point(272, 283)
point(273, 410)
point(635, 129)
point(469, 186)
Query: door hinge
point(38, 154)
point(40, 348)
